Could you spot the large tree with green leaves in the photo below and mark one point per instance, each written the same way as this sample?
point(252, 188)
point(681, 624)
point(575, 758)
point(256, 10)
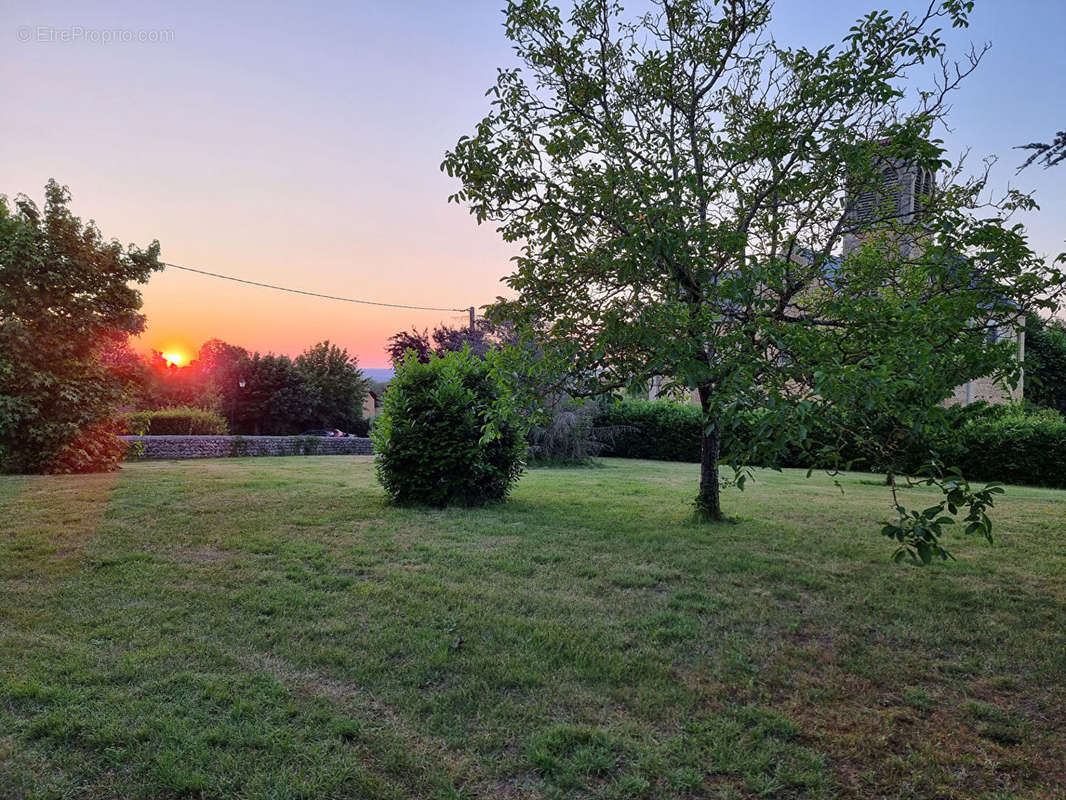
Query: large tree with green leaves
point(1045, 363)
point(336, 385)
point(66, 306)
point(681, 185)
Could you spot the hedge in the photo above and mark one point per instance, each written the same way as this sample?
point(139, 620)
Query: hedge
point(665, 431)
point(177, 422)
point(656, 430)
point(988, 443)
point(1014, 449)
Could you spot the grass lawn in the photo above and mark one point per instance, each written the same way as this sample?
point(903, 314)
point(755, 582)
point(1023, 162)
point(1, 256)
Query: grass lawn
point(269, 628)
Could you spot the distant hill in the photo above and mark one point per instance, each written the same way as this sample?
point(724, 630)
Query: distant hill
point(383, 374)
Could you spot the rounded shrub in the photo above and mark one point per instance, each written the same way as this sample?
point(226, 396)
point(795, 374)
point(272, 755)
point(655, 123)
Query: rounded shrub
point(447, 434)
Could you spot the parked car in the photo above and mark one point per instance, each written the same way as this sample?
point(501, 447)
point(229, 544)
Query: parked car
point(328, 433)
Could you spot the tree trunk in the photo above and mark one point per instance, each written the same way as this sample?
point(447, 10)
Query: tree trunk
point(709, 501)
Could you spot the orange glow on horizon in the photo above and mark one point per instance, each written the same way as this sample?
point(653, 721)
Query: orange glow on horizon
point(173, 359)
point(183, 311)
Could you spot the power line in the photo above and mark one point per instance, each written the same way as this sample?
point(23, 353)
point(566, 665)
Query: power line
point(309, 294)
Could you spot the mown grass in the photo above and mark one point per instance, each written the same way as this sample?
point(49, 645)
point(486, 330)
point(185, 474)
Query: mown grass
point(271, 629)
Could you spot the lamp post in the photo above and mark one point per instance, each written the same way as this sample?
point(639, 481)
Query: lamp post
point(241, 383)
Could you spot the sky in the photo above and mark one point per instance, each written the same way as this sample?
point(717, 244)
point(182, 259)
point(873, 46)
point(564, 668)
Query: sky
point(300, 145)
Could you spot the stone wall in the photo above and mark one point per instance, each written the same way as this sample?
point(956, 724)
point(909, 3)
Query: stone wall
point(142, 447)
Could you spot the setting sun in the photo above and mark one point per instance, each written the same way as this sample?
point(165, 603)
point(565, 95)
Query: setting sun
point(173, 359)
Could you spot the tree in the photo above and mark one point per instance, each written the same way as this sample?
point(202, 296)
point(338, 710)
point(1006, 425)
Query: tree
point(1047, 153)
point(275, 400)
point(66, 310)
point(411, 340)
point(482, 338)
point(1045, 362)
point(128, 367)
point(224, 368)
point(682, 186)
point(336, 385)
point(167, 385)
point(271, 394)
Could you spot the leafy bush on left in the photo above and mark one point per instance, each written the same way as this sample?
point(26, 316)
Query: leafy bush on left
point(66, 300)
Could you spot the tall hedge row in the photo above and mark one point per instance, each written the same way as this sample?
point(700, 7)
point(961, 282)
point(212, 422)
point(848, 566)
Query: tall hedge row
point(177, 422)
point(999, 443)
point(656, 430)
point(1013, 449)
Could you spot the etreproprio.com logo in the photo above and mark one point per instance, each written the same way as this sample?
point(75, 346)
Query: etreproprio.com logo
point(72, 34)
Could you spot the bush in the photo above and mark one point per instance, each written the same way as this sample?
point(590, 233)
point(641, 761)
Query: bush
point(359, 427)
point(177, 422)
point(95, 449)
point(445, 435)
point(570, 432)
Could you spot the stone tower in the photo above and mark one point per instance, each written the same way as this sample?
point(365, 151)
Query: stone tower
point(896, 204)
point(896, 201)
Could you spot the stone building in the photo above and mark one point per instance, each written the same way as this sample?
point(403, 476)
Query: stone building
point(371, 405)
point(898, 201)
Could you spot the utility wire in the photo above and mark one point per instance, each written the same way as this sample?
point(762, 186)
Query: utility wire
point(309, 294)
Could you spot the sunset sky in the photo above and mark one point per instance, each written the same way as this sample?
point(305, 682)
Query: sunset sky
point(300, 146)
